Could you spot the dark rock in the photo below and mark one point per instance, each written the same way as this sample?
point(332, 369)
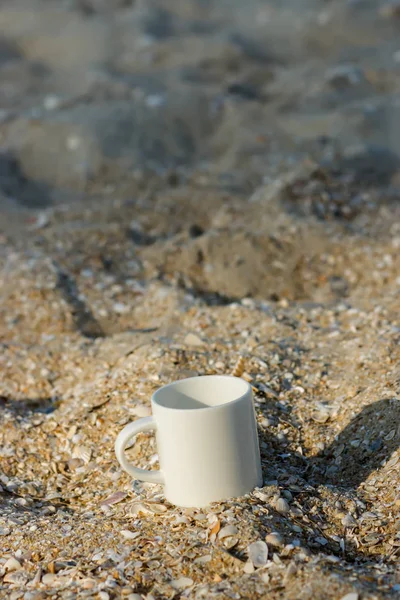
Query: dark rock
point(195, 231)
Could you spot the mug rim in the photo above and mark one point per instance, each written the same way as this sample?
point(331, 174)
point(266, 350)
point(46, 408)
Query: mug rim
point(247, 389)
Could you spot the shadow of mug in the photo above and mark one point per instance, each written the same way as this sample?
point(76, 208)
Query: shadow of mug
point(363, 446)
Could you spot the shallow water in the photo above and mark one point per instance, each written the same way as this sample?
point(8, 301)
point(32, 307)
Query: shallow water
point(96, 93)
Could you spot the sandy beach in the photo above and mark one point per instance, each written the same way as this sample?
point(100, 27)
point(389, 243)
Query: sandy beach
point(186, 185)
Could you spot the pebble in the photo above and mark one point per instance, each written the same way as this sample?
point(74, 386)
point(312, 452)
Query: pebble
point(258, 553)
point(282, 506)
point(321, 541)
point(51, 102)
point(351, 596)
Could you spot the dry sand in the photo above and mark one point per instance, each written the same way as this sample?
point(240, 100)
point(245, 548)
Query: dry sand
point(183, 184)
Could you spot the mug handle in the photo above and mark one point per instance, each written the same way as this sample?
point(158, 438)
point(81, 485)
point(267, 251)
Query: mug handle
point(123, 439)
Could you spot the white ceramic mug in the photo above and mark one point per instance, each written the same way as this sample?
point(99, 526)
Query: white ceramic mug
point(207, 440)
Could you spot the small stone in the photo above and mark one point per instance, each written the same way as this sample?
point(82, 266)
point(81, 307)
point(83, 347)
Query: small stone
point(12, 564)
point(282, 506)
point(321, 541)
point(134, 597)
point(5, 531)
point(104, 596)
point(195, 231)
point(344, 75)
point(258, 553)
point(51, 102)
point(193, 340)
point(120, 308)
point(351, 596)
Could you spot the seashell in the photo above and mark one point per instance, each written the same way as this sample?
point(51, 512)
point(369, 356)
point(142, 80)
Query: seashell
point(18, 577)
point(227, 531)
point(140, 410)
point(261, 495)
point(351, 596)
point(349, 521)
point(50, 579)
point(216, 527)
point(321, 416)
point(75, 463)
point(5, 531)
point(181, 520)
point(36, 579)
point(157, 509)
point(129, 535)
point(12, 564)
point(82, 452)
point(248, 567)
point(258, 553)
point(290, 571)
point(371, 539)
point(230, 542)
point(181, 584)
point(392, 462)
point(287, 550)
point(191, 339)
point(200, 517)
point(368, 516)
point(88, 583)
point(202, 560)
point(138, 508)
point(238, 369)
point(282, 506)
point(274, 539)
point(114, 498)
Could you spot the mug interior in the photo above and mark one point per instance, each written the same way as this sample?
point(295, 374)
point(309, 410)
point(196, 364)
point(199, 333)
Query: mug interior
point(201, 392)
